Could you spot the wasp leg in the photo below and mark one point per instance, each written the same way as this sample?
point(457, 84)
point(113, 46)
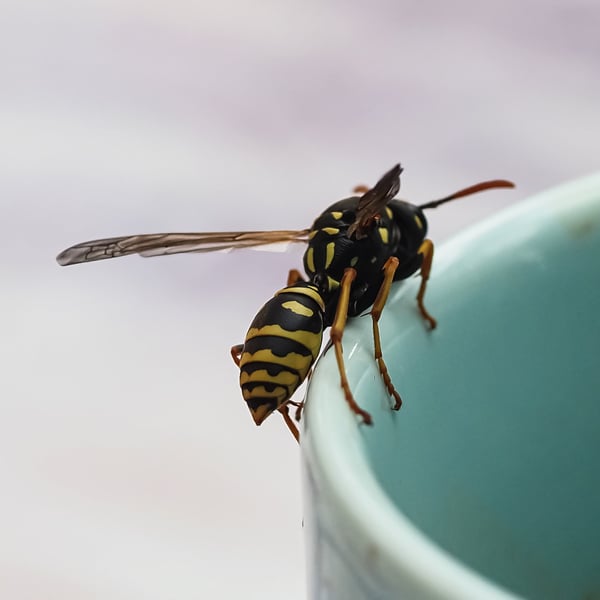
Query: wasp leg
point(336, 333)
point(426, 250)
point(294, 277)
point(284, 410)
point(236, 353)
point(299, 407)
point(390, 266)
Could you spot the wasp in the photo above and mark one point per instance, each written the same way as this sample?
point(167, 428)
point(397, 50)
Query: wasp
point(355, 250)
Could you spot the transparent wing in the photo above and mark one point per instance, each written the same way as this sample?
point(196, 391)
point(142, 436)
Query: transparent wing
point(372, 202)
point(157, 244)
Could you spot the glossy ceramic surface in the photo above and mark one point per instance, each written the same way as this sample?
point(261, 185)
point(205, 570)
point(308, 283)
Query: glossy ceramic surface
point(485, 485)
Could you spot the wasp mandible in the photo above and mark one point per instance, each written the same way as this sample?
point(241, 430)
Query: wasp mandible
point(355, 249)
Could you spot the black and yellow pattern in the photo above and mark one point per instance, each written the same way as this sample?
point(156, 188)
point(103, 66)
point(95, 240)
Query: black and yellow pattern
point(281, 346)
point(331, 250)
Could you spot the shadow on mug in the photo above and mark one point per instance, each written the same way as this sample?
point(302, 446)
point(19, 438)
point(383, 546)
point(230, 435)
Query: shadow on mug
point(486, 484)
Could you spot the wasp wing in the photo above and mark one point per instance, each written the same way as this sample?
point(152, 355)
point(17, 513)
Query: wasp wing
point(158, 244)
point(372, 202)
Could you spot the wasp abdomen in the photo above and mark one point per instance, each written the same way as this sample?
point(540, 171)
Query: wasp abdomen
point(281, 346)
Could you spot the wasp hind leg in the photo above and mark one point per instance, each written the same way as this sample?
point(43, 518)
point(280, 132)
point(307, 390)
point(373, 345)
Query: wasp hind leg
point(285, 413)
point(426, 251)
point(336, 333)
point(389, 269)
point(299, 408)
point(294, 277)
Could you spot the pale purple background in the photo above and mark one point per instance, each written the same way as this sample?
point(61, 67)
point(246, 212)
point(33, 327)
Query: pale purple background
point(129, 466)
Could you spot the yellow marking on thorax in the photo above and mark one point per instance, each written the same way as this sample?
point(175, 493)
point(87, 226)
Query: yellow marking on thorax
point(310, 259)
point(389, 213)
point(312, 234)
point(332, 283)
point(383, 234)
point(418, 222)
point(298, 308)
point(330, 230)
point(353, 261)
point(337, 214)
point(330, 251)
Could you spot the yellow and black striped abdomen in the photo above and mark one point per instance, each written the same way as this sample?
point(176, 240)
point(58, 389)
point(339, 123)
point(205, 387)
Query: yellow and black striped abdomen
point(281, 345)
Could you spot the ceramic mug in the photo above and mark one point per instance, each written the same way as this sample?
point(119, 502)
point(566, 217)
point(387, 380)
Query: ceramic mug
point(486, 483)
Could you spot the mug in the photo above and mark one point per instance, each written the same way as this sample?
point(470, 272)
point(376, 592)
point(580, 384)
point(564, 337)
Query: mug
point(485, 485)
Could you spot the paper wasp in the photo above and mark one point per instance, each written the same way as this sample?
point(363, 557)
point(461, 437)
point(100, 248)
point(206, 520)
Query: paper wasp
point(356, 248)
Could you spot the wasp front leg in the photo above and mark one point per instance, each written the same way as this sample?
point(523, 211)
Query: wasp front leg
point(426, 251)
point(336, 333)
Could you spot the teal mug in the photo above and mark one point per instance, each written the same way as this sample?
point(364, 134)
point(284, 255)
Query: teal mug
point(485, 485)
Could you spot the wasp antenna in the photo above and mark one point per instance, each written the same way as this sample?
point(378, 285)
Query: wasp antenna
point(473, 189)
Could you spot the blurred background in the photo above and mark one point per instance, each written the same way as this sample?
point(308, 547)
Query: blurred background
point(129, 465)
